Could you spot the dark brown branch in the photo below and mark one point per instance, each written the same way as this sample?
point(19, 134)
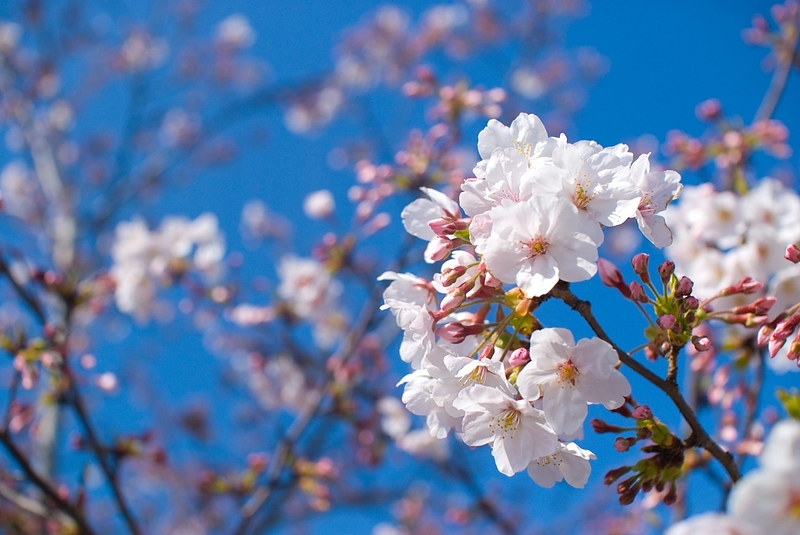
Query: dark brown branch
point(699, 435)
point(76, 401)
point(43, 485)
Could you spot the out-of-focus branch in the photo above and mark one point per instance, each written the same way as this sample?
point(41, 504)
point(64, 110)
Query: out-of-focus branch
point(366, 321)
point(699, 435)
point(786, 54)
point(40, 483)
point(110, 472)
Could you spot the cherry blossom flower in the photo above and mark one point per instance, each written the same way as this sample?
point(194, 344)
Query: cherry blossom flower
point(594, 178)
point(658, 189)
point(516, 430)
point(537, 242)
point(569, 376)
point(569, 462)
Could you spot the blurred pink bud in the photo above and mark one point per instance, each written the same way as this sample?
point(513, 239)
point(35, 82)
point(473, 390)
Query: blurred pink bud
point(747, 285)
point(765, 333)
point(701, 343)
point(452, 300)
point(774, 346)
point(709, 110)
point(637, 293)
point(601, 426)
point(454, 332)
point(623, 444)
point(665, 270)
point(642, 412)
point(518, 357)
point(691, 303)
point(611, 276)
point(451, 275)
point(439, 248)
point(785, 328)
point(442, 227)
point(763, 305)
point(792, 253)
point(640, 264)
point(684, 287)
point(794, 349)
point(667, 321)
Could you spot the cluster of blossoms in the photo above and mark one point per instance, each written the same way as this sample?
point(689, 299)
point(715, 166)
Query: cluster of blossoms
point(535, 213)
point(766, 500)
point(722, 237)
point(144, 258)
point(307, 292)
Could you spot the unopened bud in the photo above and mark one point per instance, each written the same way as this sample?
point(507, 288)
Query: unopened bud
point(666, 322)
point(623, 444)
point(613, 475)
point(642, 412)
point(611, 277)
point(518, 357)
point(701, 343)
point(438, 249)
point(747, 285)
point(691, 303)
point(454, 332)
point(640, 264)
point(684, 287)
point(451, 275)
point(601, 426)
point(672, 495)
point(442, 227)
point(765, 332)
point(637, 293)
point(762, 305)
point(452, 300)
point(665, 270)
point(792, 253)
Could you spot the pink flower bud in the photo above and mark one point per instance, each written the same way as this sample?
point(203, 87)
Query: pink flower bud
point(794, 349)
point(452, 300)
point(684, 287)
point(611, 277)
point(691, 303)
point(709, 110)
point(701, 343)
point(665, 270)
point(640, 264)
point(667, 321)
point(774, 346)
point(454, 332)
point(451, 275)
point(785, 328)
point(601, 426)
point(762, 305)
point(747, 285)
point(637, 293)
point(642, 412)
point(518, 357)
point(439, 248)
point(623, 444)
point(766, 330)
point(792, 253)
point(442, 227)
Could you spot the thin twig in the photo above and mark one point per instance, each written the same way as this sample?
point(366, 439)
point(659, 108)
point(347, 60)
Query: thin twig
point(94, 444)
point(43, 485)
point(787, 57)
point(699, 435)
